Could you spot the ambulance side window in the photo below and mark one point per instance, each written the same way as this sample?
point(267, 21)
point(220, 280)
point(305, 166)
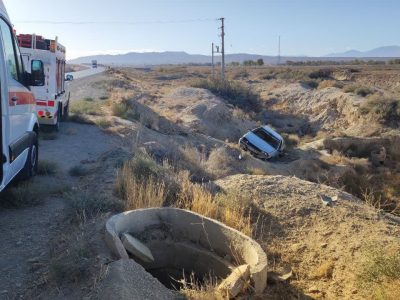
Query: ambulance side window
point(8, 41)
point(20, 64)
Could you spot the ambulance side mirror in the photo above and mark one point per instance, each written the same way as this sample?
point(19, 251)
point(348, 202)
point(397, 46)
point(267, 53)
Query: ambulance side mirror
point(37, 75)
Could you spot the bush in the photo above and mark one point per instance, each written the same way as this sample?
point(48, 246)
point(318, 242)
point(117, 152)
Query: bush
point(141, 183)
point(233, 92)
point(78, 171)
point(47, 167)
point(83, 205)
point(85, 107)
point(329, 83)
point(313, 84)
point(321, 74)
point(358, 90)
point(74, 263)
point(386, 109)
point(30, 193)
point(363, 91)
point(124, 111)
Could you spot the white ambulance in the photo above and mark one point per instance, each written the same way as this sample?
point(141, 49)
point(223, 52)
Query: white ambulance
point(52, 99)
point(19, 126)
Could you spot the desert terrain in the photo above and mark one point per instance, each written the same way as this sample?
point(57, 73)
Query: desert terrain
point(168, 136)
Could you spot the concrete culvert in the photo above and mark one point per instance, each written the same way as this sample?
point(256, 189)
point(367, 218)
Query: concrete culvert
point(184, 243)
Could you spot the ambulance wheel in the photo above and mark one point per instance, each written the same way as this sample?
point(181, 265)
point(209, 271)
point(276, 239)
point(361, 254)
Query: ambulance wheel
point(31, 165)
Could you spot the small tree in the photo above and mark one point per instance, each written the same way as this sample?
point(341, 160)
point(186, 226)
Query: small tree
point(260, 62)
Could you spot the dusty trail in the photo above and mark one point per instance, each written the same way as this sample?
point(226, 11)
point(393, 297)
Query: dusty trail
point(24, 233)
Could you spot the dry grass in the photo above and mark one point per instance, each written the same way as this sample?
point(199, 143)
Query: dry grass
point(220, 162)
point(222, 207)
point(142, 183)
point(387, 110)
point(78, 171)
point(103, 123)
point(329, 83)
point(193, 290)
point(84, 206)
point(233, 92)
point(358, 90)
point(74, 262)
point(124, 111)
point(85, 107)
point(380, 272)
point(324, 270)
point(30, 193)
point(47, 167)
point(141, 194)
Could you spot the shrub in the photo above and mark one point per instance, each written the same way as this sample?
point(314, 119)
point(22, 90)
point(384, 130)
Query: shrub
point(78, 171)
point(84, 205)
point(220, 162)
point(233, 92)
point(363, 91)
point(321, 74)
point(360, 91)
point(47, 167)
point(123, 110)
point(329, 83)
point(140, 183)
point(313, 84)
point(85, 107)
point(386, 109)
point(72, 264)
point(30, 193)
point(233, 212)
point(243, 73)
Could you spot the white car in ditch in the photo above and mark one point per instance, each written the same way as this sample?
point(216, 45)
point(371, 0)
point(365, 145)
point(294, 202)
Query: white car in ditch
point(263, 143)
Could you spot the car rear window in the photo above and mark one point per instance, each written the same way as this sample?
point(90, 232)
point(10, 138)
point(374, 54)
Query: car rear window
point(267, 137)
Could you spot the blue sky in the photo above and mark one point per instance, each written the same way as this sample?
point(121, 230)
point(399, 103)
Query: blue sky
point(307, 27)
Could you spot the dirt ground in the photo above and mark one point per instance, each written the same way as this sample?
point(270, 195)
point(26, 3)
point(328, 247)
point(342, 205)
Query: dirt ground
point(172, 121)
point(26, 233)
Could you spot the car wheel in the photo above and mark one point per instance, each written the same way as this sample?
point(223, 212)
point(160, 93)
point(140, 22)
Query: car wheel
point(31, 165)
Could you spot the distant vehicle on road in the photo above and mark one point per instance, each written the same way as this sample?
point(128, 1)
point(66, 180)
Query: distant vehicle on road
point(19, 126)
point(94, 64)
point(263, 143)
point(69, 77)
point(52, 98)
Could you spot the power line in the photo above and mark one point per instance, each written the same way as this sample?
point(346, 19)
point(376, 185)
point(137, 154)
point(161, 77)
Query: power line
point(114, 22)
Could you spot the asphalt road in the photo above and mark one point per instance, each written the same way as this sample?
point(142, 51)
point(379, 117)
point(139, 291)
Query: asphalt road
point(87, 72)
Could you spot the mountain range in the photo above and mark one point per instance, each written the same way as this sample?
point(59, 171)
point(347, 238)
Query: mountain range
point(387, 51)
point(179, 57)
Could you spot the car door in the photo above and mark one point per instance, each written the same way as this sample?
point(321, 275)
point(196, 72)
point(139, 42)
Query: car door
point(20, 99)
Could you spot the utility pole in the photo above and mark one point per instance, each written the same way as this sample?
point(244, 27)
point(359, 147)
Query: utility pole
point(223, 48)
point(213, 66)
point(279, 50)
